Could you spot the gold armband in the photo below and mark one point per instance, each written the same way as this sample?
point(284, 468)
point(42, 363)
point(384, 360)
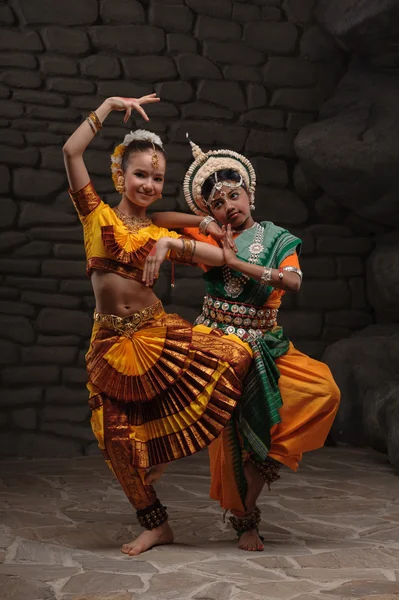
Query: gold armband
point(86, 199)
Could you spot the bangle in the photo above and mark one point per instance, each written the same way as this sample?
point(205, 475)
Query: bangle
point(92, 126)
point(96, 121)
point(266, 276)
point(280, 273)
point(185, 253)
point(203, 226)
point(294, 270)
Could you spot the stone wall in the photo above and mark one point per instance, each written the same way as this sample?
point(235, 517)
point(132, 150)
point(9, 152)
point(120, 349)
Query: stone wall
point(245, 75)
point(352, 153)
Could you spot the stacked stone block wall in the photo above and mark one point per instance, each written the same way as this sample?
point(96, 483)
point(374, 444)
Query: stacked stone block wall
point(244, 75)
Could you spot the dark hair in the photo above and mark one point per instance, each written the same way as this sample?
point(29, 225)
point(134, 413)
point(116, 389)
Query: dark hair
point(223, 175)
point(139, 146)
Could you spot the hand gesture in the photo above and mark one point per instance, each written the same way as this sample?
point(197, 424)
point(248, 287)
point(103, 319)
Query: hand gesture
point(154, 261)
point(218, 234)
point(214, 230)
point(129, 104)
point(228, 245)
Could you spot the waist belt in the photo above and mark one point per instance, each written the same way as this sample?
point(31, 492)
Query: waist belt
point(128, 325)
point(237, 318)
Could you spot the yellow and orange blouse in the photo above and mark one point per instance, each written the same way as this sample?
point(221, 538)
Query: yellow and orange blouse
point(109, 244)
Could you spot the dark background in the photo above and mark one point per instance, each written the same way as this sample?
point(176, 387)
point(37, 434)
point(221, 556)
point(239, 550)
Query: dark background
point(276, 80)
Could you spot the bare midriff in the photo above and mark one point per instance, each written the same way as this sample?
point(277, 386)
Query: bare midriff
point(119, 296)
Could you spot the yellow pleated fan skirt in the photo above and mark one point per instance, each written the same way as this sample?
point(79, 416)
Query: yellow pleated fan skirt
point(177, 385)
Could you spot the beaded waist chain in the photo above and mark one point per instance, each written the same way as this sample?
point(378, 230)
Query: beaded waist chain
point(240, 319)
point(128, 325)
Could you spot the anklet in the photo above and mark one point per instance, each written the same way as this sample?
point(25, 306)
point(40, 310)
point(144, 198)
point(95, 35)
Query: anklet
point(269, 470)
point(246, 523)
point(152, 516)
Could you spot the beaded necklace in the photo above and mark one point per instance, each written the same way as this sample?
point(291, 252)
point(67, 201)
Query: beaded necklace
point(132, 224)
point(234, 284)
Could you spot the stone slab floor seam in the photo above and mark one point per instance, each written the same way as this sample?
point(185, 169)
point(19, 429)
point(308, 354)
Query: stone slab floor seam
point(331, 533)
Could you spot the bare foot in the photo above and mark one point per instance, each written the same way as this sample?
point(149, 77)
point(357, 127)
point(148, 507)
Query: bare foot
point(251, 541)
point(149, 538)
point(154, 473)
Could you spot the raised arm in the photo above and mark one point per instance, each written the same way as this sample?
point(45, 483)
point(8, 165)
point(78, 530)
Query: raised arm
point(77, 143)
point(175, 220)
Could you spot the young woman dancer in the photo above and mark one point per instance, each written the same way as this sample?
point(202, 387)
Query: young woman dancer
point(159, 388)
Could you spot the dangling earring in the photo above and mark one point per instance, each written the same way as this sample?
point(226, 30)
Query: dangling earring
point(120, 183)
point(252, 202)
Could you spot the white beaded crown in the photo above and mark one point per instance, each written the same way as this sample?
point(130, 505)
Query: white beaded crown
point(207, 163)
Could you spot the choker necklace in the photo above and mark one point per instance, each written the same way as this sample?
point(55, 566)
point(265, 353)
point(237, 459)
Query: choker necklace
point(242, 230)
point(133, 224)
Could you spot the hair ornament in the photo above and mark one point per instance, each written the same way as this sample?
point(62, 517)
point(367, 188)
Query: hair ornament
point(206, 164)
point(117, 155)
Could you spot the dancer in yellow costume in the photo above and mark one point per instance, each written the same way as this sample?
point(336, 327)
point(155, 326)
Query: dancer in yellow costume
point(159, 388)
point(289, 400)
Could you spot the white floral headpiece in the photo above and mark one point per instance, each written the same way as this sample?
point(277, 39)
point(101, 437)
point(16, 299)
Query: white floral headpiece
point(117, 155)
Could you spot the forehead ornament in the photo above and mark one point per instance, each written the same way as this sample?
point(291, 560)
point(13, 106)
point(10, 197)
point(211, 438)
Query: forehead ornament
point(219, 185)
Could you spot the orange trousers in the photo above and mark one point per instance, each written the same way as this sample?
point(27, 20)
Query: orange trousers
point(310, 402)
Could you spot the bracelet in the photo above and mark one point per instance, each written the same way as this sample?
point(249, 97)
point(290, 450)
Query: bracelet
point(266, 276)
point(185, 253)
point(188, 250)
point(179, 253)
point(294, 270)
point(280, 273)
point(96, 121)
point(92, 126)
point(203, 226)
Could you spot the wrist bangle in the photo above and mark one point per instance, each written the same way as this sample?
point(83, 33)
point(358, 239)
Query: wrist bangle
point(266, 276)
point(280, 273)
point(92, 126)
point(185, 253)
point(203, 226)
point(96, 121)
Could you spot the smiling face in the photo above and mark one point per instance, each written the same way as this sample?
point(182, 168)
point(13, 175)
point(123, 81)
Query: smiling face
point(143, 183)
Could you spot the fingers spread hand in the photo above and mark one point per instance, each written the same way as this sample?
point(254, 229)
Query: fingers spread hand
point(142, 112)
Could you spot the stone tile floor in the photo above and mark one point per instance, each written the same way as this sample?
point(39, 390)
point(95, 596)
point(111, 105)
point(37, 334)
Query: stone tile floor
point(331, 532)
